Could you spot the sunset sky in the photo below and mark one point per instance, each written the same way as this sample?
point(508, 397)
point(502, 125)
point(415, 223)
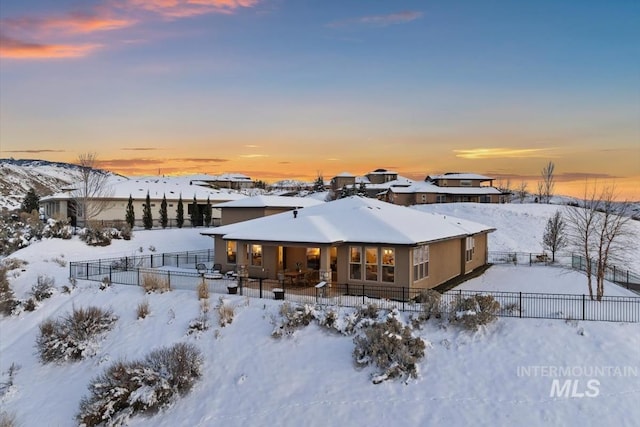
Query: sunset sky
point(292, 88)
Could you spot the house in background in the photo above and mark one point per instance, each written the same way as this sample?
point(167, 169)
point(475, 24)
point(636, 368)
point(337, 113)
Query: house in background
point(355, 241)
point(374, 183)
point(259, 206)
point(446, 188)
point(115, 197)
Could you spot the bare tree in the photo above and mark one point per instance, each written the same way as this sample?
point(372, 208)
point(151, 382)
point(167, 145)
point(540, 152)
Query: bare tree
point(554, 237)
point(92, 193)
point(540, 192)
point(521, 191)
point(548, 181)
point(505, 188)
point(599, 228)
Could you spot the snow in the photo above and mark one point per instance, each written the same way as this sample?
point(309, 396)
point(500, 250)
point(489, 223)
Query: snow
point(501, 375)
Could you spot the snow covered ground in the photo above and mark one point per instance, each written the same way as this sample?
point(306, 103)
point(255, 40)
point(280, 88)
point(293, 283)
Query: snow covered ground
point(501, 375)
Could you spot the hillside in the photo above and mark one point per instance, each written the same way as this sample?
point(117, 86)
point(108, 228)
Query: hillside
point(252, 379)
point(17, 176)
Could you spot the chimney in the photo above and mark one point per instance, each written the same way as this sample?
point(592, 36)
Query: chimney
point(295, 213)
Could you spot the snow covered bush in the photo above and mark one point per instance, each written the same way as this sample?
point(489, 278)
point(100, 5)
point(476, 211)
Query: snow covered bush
point(43, 288)
point(60, 229)
point(225, 312)
point(155, 283)
point(391, 347)
point(369, 312)
point(203, 290)
point(144, 386)
point(74, 336)
point(96, 235)
point(430, 300)
point(142, 310)
point(8, 419)
point(8, 301)
point(474, 311)
point(293, 317)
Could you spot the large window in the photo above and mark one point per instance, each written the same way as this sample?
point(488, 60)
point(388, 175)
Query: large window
point(371, 258)
point(231, 252)
point(313, 258)
point(420, 262)
point(470, 248)
point(256, 255)
point(355, 263)
point(466, 183)
point(388, 265)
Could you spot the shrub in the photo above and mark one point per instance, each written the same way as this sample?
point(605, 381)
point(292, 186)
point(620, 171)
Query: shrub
point(60, 261)
point(143, 386)
point(391, 347)
point(225, 312)
point(5, 386)
point(96, 235)
point(143, 309)
point(30, 305)
point(13, 263)
point(72, 336)
point(8, 302)
point(8, 419)
point(60, 229)
point(154, 283)
point(369, 312)
point(200, 323)
point(430, 300)
point(292, 318)
point(203, 290)
point(474, 311)
point(105, 283)
point(43, 288)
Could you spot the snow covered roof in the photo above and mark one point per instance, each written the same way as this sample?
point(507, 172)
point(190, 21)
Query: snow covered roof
point(352, 219)
point(426, 187)
point(172, 187)
point(400, 181)
point(382, 172)
point(345, 175)
point(456, 175)
point(270, 202)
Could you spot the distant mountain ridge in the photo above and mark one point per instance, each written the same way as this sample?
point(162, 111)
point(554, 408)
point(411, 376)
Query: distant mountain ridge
point(18, 175)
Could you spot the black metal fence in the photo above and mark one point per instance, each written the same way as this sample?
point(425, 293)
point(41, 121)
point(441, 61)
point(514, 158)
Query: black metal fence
point(178, 271)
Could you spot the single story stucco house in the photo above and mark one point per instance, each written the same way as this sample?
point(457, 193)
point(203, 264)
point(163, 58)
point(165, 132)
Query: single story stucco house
point(354, 240)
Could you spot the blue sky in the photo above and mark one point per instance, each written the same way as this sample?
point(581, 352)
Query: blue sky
point(292, 88)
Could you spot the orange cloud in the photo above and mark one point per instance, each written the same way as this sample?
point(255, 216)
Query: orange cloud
point(72, 23)
point(16, 49)
point(503, 153)
point(187, 8)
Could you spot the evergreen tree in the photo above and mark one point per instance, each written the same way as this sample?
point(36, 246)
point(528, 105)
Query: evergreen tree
point(207, 213)
point(193, 216)
point(362, 189)
point(164, 217)
point(318, 184)
point(31, 202)
point(180, 213)
point(130, 217)
point(344, 192)
point(147, 219)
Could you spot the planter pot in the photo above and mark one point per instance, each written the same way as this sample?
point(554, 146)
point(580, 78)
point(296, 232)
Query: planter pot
point(278, 293)
point(232, 289)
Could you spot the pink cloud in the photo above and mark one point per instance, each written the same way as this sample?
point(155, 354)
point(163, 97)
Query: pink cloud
point(16, 49)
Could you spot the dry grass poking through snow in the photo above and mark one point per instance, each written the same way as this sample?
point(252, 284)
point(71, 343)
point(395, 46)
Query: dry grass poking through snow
point(155, 283)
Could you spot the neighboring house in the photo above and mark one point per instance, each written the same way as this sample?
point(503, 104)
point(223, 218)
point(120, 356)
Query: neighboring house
point(375, 183)
point(446, 188)
point(116, 197)
point(357, 241)
point(232, 181)
point(259, 206)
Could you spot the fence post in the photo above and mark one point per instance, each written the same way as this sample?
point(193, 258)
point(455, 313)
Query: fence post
point(403, 299)
point(178, 260)
point(110, 277)
point(87, 264)
point(138, 277)
point(261, 287)
point(583, 305)
point(530, 261)
point(362, 294)
point(163, 259)
point(520, 302)
point(169, 278)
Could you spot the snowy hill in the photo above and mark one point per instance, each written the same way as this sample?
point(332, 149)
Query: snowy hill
point(252, 379)
point(17, 176)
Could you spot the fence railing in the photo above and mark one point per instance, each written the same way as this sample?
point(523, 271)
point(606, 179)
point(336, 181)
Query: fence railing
point(178, 271)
